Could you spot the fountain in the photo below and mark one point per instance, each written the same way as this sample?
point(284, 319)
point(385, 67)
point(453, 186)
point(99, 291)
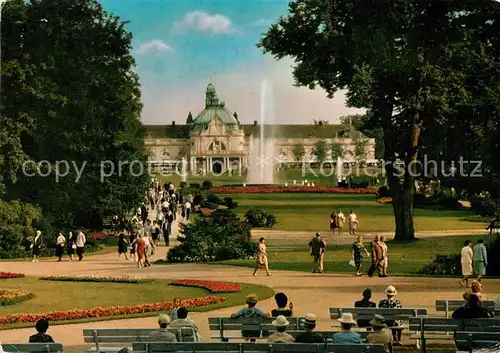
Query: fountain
point(339, 170)
point(261, 157)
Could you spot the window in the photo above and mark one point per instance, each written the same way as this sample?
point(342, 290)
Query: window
point(216, 146)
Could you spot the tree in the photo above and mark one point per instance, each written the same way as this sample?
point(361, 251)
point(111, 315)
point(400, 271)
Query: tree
point(337, 151)
point(298, 152)
point(361, 123)
point(320, 151)
point(360, 148)
point(410, 67)
point(85, 111)
point(189, 119)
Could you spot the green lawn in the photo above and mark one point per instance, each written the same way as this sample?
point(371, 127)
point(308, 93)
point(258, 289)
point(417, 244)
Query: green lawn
point(404, 259)
point(80, 295)
point(311, 212)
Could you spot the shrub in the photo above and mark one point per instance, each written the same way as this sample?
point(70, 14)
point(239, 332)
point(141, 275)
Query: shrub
point(207, 185)
point(213, 199)
point(229, 203)
point(206, 204)
point(258, 218)
point(484, 205)
point(195, 186)
point(214, 237)
point(198, 198)
point(493, 268)
point(383, 191)
point(361, 181)
point(443, 265)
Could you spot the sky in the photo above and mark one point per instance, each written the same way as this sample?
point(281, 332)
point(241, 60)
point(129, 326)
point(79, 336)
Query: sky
point(182, 46)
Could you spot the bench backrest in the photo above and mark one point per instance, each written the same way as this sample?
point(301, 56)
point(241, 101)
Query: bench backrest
point(109, 336)
point(439, 324)
point(476, 340)
point(33, 347)
point(251, 324)
point(155, 347)
point(388, 314)
point(452, 305)
point(328, 335)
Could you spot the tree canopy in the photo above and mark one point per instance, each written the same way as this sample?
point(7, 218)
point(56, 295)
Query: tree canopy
point(416, 65)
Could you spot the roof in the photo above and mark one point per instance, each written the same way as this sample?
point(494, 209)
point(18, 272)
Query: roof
point(279, 131)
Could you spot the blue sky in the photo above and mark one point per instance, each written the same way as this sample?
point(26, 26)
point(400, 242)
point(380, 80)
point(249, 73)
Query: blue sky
point(181, 45)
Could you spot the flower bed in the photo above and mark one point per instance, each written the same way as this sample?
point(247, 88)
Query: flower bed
point(278, 189)
point(5, 275)
point(111, 311)
point(123, 279)
point(14, 296)
point(213, 287)
point(99, 236)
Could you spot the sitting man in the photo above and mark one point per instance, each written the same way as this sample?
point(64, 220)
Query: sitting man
point(184, 322)
point(281, 302)
point(41, 336)
point(379, 335)
point(162, 334)
point(309, 336)
point(346, 336)
point(365, 303)
point(280, 336)
point(472, 310)
point(250, 311)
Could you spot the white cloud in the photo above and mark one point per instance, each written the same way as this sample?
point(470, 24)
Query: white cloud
point(204, 22)
point(241, 90)
point(154, 45)
point(262, 22)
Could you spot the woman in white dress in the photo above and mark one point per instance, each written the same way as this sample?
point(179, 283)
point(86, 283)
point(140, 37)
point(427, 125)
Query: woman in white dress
point(261, 258)
point(466, 258)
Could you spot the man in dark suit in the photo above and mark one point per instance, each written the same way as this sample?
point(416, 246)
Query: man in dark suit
point(377, 257)
point(365, 303)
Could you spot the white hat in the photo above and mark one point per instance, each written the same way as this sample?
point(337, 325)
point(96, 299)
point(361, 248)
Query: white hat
point(391, 290)
point(347, 318)
point(310, 318)
point(280, 321)
point(163, 319)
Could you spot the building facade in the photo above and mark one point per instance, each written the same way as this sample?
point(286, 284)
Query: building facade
point(216, 141)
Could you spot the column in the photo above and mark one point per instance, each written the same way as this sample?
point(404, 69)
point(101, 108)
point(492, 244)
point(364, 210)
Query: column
point(239, 165)
point(226, 164)
point(210, 165)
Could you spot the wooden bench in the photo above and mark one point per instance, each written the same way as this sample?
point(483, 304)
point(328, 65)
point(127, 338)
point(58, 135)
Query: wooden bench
point(222, 325)
point(32, 347)
point(442, 329)
point(469, 341)
point(449, 306)
point(112, 340)
point(144, 347)
point(403, 314)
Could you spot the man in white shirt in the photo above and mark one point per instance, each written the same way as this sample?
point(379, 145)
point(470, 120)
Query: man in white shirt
point(353, 223)
point(80, 245)
point(340, 221)
point(183, 321)
point(164, 206)
point(60, 242)
point(187, 207)
point(162, 334)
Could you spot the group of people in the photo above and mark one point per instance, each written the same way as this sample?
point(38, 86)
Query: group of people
point(474, 260)
point(74, 243)
point(337, 220)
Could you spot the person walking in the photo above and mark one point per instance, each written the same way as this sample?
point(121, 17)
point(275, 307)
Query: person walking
point(140, 245)
point(167, 231)
point(480, 256)
point(353, 223)
point(71, 245)
point(358, 248)
point(60, 244)
point(187, 206)
point(80, 245)
point(36, 246)
point(467, 255)
point(262, 258)
point(340, 221)
point(317, 248)
point(377, 257)
point(333, 222)
point(385, 259)
point(122, 246)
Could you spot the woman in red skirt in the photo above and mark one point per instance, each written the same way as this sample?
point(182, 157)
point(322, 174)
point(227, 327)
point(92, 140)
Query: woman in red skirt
point(140, 251)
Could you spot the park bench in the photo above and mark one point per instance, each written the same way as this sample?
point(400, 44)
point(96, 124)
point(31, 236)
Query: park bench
point(32, 347)
point(442, 329)
point(472, 341)
point(112, 340)
point(155, 347)
point(449, 306)
point(252, 324)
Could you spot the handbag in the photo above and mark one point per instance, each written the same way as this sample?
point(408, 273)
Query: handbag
point(73, 246)
point(352, 263)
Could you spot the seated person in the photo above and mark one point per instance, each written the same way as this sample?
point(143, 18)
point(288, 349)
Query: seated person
point(392, 303)
point(365, 303)
point(281, 302)
point(477, 288)
point(250, 311)
point(379, 335)
point(41, 336)
point(472, 310)
point(280, 336)
point(309, 336)
point(347, 336)
point(183, 321)
point(177, 305)
point(162, 334)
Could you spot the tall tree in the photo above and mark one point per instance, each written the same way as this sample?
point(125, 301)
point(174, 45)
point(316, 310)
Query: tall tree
point(320, 151)
point(362, 123)
point(298, 152)
point(337, 151)
point(408, 61)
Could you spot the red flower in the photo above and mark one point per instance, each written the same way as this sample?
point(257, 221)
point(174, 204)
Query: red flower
point(214, 287)
point(99, 236)
point(112, 311)
point(290, 189)
point(4, 275)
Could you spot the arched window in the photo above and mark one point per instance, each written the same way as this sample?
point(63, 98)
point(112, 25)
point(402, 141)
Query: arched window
point(164, 153)
point(217, 146)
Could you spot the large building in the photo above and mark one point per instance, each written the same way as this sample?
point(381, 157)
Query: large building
point(216, 140)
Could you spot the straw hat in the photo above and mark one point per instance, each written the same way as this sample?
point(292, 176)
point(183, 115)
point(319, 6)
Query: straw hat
point(378, 321)
point(310, 318)
point(163, 319)
point(347, 318)
point(391, 290)
point(280, 321)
